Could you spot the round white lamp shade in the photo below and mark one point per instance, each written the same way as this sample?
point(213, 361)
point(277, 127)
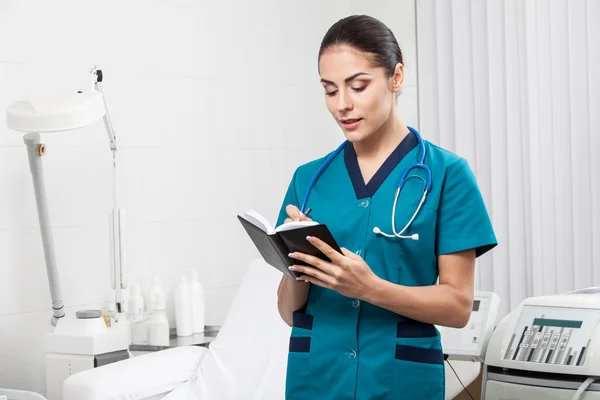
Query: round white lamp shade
point(57, 113)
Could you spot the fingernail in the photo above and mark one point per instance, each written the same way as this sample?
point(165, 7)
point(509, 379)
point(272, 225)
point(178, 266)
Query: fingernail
point(309, 238)
point(292, 255)
point(292, 268)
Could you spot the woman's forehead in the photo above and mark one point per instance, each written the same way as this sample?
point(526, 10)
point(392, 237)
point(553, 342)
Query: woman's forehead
point(339, 62)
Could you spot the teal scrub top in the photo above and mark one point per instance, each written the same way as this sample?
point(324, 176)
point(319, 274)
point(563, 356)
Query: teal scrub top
point(343, 348)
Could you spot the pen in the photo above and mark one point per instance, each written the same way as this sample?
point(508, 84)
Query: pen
point(307, 212)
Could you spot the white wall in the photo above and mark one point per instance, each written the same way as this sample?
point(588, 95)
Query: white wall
point(215, 104)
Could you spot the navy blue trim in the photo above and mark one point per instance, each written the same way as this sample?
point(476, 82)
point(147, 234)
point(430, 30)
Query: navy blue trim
point(299, 344)
point(362, 191)
point(413, 329)
point(419, 354)
point(302, 320)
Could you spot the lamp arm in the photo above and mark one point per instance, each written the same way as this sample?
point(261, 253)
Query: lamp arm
point(96, 82)
point(118, 273)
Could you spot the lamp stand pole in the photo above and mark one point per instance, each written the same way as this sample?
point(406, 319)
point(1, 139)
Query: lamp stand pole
point(35, 150)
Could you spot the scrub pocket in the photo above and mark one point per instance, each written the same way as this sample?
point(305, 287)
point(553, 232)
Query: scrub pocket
point(416, 380)
point(418, 363)
point(298, 377)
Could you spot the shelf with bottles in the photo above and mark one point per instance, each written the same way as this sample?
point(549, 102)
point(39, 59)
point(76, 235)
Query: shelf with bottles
point(196, 339)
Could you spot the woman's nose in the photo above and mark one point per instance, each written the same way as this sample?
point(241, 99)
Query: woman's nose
point(344, 101)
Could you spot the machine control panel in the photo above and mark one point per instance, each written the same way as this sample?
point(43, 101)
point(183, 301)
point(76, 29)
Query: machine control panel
point(552, 335)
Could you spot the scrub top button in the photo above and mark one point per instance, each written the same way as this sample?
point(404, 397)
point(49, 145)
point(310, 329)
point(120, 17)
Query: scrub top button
point(364, 203)
point(355, 303)
point(352, 354)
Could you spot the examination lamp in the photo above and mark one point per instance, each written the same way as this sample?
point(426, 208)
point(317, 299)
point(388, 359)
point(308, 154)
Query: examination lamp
point(56, 113)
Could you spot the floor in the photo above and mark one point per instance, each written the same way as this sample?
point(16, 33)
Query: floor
point(474, 389)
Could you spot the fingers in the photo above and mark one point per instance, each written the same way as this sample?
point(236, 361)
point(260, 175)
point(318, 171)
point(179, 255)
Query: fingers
point(314, 273)
point(326, 249)
point(294, 213)
point(350, 254)
point(314, 261)
point(314, 281)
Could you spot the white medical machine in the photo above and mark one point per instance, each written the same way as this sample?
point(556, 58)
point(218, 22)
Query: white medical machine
point(81, 341)
point(547, 348)
point(470, 343)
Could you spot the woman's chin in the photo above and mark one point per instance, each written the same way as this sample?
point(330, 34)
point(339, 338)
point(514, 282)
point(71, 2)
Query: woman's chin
point(355, 136)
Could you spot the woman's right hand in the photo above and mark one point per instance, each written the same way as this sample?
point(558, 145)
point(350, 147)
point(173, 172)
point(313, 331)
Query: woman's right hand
point(294, 214)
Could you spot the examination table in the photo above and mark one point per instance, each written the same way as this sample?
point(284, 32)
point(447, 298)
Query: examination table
point(247, 360)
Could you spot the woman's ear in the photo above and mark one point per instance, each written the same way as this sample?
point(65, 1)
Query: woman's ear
point(398, 78)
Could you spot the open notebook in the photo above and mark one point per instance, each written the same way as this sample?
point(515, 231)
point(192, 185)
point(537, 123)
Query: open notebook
point(274, 244)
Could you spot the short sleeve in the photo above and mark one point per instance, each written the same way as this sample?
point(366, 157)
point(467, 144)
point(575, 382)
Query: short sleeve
point(463, 220)
point(290, 198)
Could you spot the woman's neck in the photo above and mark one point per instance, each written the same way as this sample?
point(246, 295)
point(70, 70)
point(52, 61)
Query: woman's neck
point(382, 143)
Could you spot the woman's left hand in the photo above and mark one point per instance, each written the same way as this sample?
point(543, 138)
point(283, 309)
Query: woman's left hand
point(347, 273)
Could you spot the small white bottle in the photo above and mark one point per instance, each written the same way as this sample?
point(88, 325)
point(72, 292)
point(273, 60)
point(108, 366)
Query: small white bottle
point(136, 301)
point(158, 324)
point(135, 314)
point(183, 308)
point(154, 289)
point(197, 300)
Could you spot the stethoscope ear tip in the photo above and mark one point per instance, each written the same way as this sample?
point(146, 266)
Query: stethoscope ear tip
point(415, 236)
point(376, 230)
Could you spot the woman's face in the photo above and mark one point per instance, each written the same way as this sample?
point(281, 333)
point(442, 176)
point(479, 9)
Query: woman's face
point(358, 95)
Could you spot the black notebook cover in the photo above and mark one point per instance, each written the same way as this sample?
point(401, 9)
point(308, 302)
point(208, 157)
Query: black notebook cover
point(275, 248)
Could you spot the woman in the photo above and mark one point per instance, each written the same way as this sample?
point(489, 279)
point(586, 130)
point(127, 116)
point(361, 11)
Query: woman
point(363, 324)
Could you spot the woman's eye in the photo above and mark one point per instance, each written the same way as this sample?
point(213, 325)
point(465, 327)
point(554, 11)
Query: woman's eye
point(356, 89)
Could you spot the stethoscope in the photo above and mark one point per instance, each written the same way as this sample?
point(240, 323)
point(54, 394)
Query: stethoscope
point(403, 178)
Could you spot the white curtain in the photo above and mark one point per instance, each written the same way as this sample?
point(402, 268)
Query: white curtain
point(514, 87)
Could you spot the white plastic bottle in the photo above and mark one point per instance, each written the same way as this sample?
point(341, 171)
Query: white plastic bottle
point(136, 301)
point(154, 289)
point(135, 314)
point(158, 324)
point(183, 308)
point(197, 300)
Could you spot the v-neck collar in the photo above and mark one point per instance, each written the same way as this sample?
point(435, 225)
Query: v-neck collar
point(406, 145)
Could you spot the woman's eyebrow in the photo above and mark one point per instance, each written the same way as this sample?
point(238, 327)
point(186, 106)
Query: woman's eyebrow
point(345, 80)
